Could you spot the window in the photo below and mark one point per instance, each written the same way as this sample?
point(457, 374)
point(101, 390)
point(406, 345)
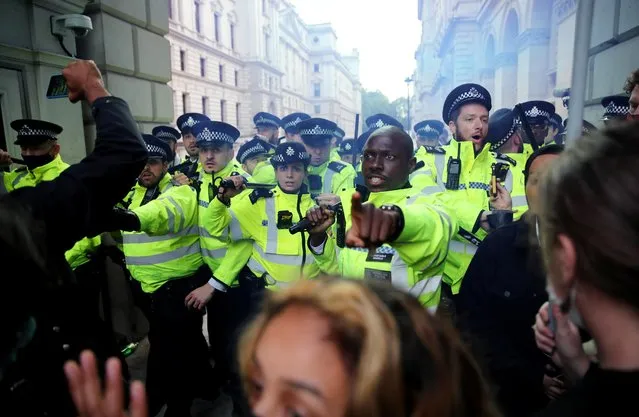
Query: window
point(318, 108)
point(202, 67)
point(270, 83)
point(267, 49)
point(198, 18)
point(237, 78)
point(233, 36)
point(216, 26)
point(185, 99)
point(223, 110)
point(317, 91)
point(316, 68)
point(205, 105)
point(170, 9)
point(238, 109)
point(182, 59)
point(221, 68)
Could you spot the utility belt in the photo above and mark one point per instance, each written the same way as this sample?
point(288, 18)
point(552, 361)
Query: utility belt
point(248, 281)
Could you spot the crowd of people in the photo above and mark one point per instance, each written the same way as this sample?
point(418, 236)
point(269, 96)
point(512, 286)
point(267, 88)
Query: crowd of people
point(363, 276)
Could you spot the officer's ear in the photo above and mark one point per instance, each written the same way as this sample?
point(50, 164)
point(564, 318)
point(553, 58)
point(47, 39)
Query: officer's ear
point(412, 162)
point(165, 166)
point(55, 149)
point(452, 127)
point(245, 168)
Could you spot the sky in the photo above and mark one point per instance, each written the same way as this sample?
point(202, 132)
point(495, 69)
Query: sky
point(386, 32)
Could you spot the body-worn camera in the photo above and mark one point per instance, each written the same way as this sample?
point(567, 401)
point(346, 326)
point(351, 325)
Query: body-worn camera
point(500, 172)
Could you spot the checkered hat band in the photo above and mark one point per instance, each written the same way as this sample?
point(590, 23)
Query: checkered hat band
point(190, 122)
point(535, 112)
point(154, 150)
point(292, 123)
point(471, 94)
point(165, 134)
point(212, 136)
point(253, 150)
point(377, 125)
point(291, 156)
point(381, 250)
point(25, 131)
point(505, 138)
point(317, 131)
point(426, 130)
point(264, 121)
point(613, 109)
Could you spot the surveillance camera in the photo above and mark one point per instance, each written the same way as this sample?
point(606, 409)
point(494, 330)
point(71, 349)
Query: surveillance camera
point(78, 24)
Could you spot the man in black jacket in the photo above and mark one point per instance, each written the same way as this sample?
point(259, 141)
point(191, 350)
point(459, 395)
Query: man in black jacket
point(43, 319)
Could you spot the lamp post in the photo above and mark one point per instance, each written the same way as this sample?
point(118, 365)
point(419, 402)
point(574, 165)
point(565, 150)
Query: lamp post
point(408, 80)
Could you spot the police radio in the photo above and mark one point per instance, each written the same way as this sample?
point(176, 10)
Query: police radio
point(453, 170)
point(499, 174)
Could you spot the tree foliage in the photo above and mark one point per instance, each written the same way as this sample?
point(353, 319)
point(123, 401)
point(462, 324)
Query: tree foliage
point(374, 102)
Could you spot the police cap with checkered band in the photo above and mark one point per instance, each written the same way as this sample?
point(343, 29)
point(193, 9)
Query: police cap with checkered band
point(380, 120)
point(208, 134)
point(538, 111)
point(166, 133)
point(32, 132)
point(252, 148)
point(186, 122)
point(615, 107)
point(316, 131)
point(157, 148)
point(263, 119)
point(289, 123)
point(346, 147)
point(465, 94)
point(290, 153)
point(502, 124)
point(429, 128)
point(339, 133)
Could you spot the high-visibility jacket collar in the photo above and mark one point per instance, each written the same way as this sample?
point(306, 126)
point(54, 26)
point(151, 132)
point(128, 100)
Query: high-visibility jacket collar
point(57, 165)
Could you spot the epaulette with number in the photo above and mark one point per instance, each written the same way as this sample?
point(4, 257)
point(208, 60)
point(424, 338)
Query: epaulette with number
point(336, 166)
point(506, 158)
point(435, 149)
point(260, 193)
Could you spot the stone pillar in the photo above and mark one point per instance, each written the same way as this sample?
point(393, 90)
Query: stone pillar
point(129, 47)
point(532, 77)
point(487, 79)
point(505, 80)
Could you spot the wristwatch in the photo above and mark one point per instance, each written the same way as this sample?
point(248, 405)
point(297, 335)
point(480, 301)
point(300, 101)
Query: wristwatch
point(399, 227)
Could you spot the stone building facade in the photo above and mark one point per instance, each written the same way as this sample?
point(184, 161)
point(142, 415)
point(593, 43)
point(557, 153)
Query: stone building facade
point(234, 58)
point(521, 50)
point(127, 43)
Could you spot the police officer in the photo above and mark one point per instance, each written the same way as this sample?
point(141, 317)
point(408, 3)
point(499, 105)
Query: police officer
point(40, 152)
point(616, 108)
point(412, 236)
point(507, 144)
point(345, 151)
point(252, 153)
point(189, 167)
point(465, 173)
point(289, 124)
point(268, 125)
point(556, 127)
point(338, 137)
point(538, 115)
point(40, 335)
point(161, 246)
point(425, 174)
point(324, 175)
point(171, 136)
point(586, 129)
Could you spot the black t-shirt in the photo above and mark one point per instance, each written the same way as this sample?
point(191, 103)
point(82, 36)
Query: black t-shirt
point(600, 393)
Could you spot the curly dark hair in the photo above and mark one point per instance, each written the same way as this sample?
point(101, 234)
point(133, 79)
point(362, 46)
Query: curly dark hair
point(632, 81)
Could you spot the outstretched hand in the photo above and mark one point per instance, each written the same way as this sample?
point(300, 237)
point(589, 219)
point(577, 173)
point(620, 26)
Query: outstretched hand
point(90, 401)
point(371, 226)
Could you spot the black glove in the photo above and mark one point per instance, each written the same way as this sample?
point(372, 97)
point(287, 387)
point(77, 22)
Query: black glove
point(121, 219)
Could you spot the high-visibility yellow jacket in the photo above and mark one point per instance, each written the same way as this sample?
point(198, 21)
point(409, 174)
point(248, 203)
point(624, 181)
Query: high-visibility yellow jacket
point(23, 177)
point(465, 204)
point(515, 180)
point(81, 252)
point(414, 261)
point(214, 245)
point(331, 177)
point(334, 155)
point(277, 255)
point(264, 173)
point(424, 177)
point(168, 245)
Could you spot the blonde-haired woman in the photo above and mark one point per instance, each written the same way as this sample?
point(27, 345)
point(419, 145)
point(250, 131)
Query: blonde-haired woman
point(332, 347)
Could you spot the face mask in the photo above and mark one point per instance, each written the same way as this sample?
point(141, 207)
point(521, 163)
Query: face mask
point(566, 305)
point(34, 161)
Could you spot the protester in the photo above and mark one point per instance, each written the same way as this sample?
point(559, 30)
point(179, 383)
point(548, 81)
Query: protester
point(589, 238)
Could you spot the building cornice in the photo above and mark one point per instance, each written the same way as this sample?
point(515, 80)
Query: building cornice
point(28, 56)
point(533, 37)
point(179, 74)
point(265, 65)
